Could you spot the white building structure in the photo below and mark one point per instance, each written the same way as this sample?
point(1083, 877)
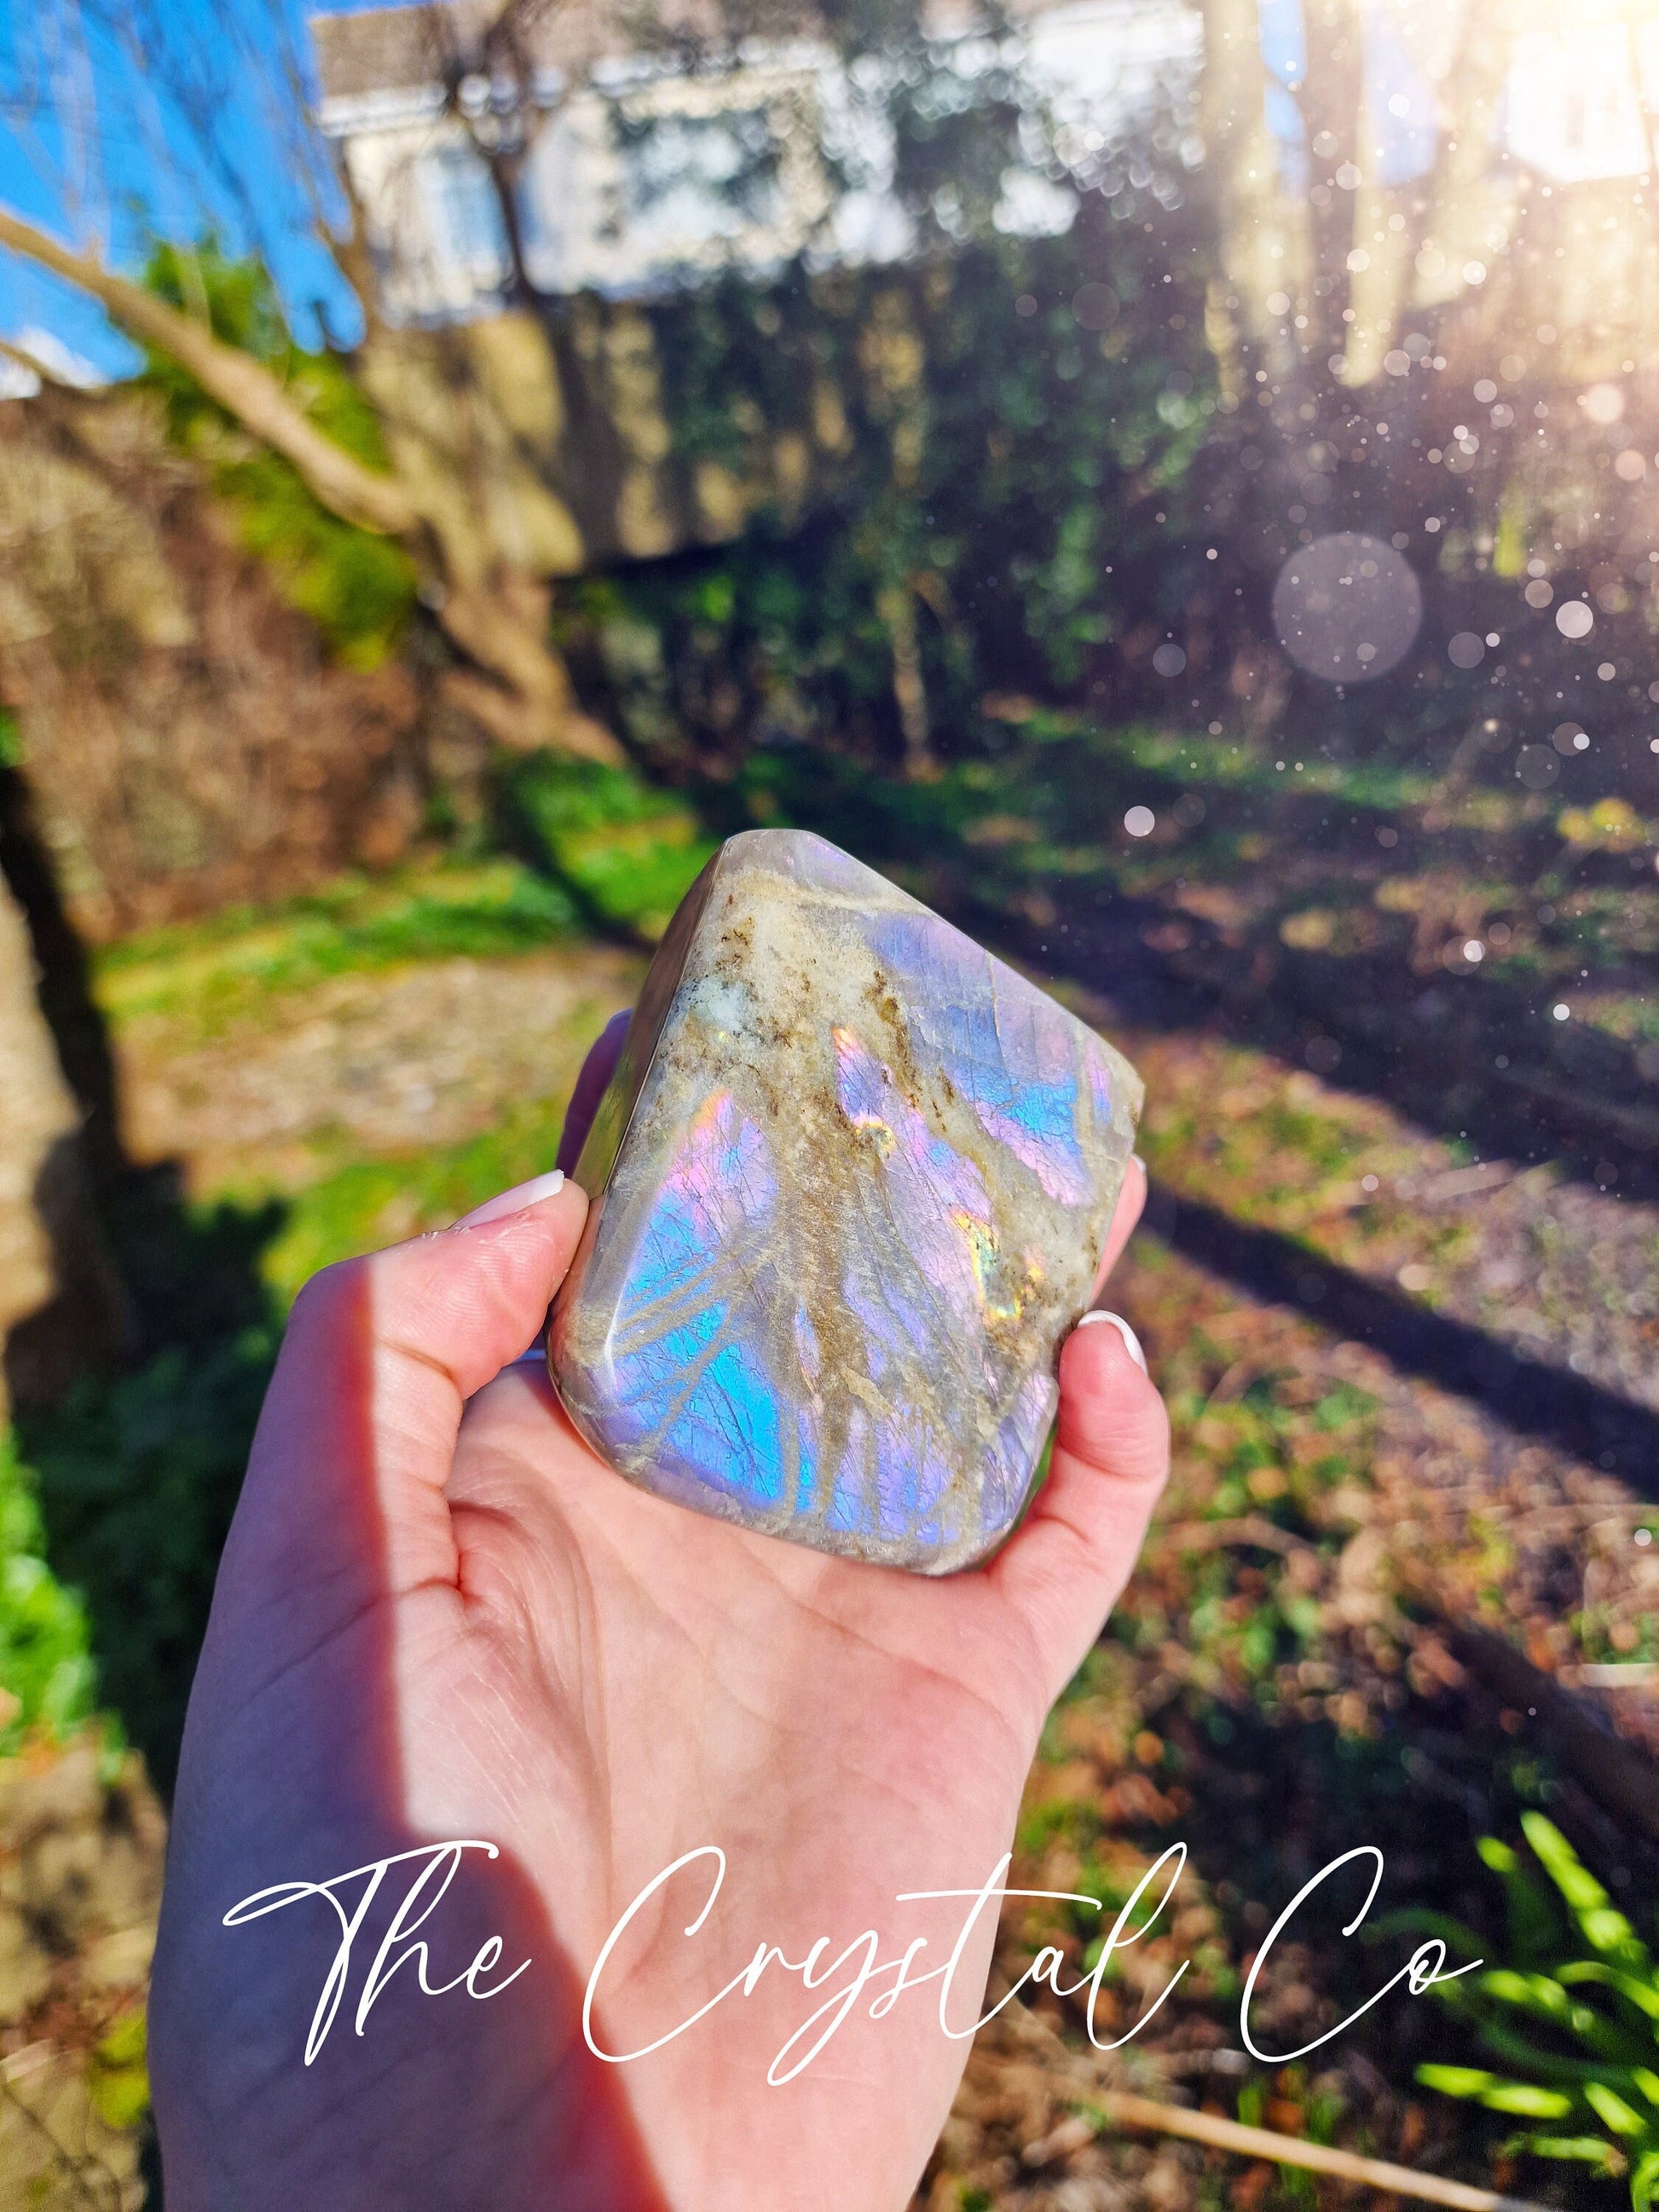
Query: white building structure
point(1582, 101)
point(647, 169)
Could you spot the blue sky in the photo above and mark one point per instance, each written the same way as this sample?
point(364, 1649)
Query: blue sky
point(147, 169)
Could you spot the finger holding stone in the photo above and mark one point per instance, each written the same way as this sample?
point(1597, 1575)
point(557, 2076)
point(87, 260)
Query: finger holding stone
point(597, 1071)
point(1131, 1204)
point(1065, 1568)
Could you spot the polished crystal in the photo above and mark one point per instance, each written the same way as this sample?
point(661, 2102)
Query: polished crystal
point(850, 1184)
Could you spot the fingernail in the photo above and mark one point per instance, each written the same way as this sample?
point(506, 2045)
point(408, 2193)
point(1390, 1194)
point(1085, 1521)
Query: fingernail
point(1132, 1342)
point(514, 1201)
point(1137, 1160)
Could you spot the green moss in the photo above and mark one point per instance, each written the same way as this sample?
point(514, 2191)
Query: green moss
point(626, 850)
point(203, 972)
point(358, 589)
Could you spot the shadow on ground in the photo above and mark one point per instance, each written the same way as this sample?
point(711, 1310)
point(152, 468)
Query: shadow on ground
point(139, 1470)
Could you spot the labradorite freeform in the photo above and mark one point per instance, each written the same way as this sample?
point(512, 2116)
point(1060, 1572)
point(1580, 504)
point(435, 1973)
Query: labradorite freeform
point(850, 1185)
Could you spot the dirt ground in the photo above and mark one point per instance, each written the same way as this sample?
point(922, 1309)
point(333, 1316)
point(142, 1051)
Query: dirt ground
point(366, 1065)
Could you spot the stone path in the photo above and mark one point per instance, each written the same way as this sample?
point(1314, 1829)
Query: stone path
point(366, 1065)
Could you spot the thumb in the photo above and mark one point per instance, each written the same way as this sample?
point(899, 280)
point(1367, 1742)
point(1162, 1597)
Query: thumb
point(357, 1435)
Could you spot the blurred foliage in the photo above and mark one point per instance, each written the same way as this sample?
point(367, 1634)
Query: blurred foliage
point(1578, 2034)
point(138, 1478)
point(138, 1473)
point(46, 1670)
point(371, 1202)
point(1008, 474)
point(118, 2074)
point(1048, 552)
point(1270, 1461)
point(358, 589)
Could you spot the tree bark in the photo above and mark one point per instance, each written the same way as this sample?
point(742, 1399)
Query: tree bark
point(897, 608)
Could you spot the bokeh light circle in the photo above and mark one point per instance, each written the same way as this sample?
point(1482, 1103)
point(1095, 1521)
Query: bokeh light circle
point(1574, 619)
point(1347, 607)
point(1095, 306)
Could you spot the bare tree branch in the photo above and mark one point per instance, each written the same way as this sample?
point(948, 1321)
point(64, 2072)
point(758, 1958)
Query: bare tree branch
point(502, 127)
point(241, 385)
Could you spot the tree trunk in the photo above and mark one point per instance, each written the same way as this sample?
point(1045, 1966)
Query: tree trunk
point(243, 386)
point(897, 608)
point(1332, 101)
point(60, 1302)
point(1467, 188)
point(505, 170)
point(501, 625)
point(1260, 236)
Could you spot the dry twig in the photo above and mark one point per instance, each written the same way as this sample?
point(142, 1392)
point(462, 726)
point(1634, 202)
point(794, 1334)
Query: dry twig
point(1129, 2111)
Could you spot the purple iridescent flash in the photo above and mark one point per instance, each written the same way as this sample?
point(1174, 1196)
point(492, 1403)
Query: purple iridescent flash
point(850, 1184)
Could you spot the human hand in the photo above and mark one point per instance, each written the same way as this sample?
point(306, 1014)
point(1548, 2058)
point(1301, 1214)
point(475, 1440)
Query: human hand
point(439, 1616)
